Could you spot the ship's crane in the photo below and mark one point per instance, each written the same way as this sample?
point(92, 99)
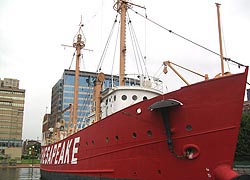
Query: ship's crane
point(169, 64)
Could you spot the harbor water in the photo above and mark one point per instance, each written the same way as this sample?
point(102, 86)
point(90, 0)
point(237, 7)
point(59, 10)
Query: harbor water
point(19, 173)
point(34, 173)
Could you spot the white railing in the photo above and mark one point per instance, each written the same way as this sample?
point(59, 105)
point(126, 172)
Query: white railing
point(140, 80)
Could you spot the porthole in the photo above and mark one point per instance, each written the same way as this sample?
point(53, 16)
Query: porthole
point(107, 139)
point(134, 97)
point(159, 171)
point(189, 127)
point(93, 142)
point(124, 97)
point(117, 138)
point(144, 98)
point(149, 133)
point(134, 135)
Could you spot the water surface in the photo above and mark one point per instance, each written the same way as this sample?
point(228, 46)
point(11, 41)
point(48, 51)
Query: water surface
point(19, 173)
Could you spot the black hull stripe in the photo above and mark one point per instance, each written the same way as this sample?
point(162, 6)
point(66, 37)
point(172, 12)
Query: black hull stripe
point(45, 175)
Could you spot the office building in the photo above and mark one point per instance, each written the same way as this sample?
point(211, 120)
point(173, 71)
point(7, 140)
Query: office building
point(11, 118)
point(63, 95)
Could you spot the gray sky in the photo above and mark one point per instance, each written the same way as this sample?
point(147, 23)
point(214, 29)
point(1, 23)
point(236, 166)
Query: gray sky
point(32, 31)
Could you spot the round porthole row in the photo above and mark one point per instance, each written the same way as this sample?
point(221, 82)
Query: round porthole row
point(158, 171)
point(116, 138)
point(134, 97)
point(149, 133)
point(134, 135)
point(189, 127)
point(124, 97)
point(107, 139)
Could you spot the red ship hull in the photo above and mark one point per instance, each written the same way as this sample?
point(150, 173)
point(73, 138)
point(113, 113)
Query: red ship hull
point(133, 144)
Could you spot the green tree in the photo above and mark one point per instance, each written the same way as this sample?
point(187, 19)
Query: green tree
point(243, 145)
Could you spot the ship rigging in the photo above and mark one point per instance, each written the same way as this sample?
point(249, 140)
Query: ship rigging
point(138, 132)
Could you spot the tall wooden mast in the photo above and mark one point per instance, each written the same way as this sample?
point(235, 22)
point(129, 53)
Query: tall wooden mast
point(79, 44)
point(122, 6)
point(123, 10)
point(220, 39)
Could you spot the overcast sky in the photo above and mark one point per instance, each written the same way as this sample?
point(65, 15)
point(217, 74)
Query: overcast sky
point(32, 31)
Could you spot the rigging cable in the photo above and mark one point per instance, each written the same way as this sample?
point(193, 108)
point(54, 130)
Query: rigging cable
point(225, 48)
point(133, 45)
point(139, 52)
point(82, 62)
point(72, 59)
point(158, 71)
point(203, 47)
point(117, 36)
point(85, 108)
point(106, 46)
point(145, 34)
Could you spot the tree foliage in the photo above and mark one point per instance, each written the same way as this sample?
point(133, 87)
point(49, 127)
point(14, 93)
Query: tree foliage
point(243, 145)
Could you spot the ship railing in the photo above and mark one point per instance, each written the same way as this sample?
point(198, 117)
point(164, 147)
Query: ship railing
point(141, 80)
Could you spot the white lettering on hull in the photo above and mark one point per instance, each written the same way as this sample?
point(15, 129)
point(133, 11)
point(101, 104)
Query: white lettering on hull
point(75, 151)
point(66, 160)
point(57, 152)
point(61, 153)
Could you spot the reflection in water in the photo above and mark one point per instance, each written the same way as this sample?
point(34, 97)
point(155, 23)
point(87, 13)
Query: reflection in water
point(19, 173)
